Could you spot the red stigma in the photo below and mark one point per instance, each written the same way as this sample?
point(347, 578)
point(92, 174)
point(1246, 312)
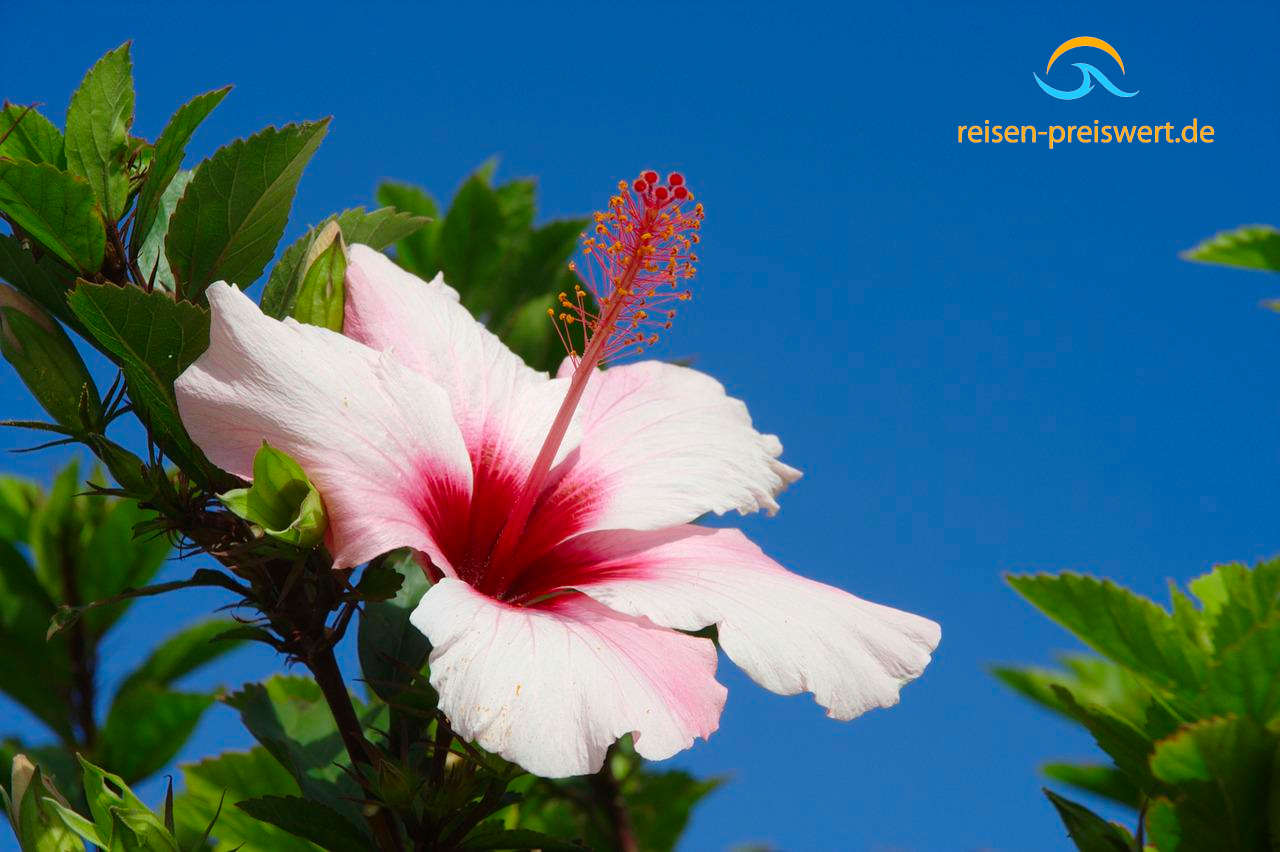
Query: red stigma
point(635, 259)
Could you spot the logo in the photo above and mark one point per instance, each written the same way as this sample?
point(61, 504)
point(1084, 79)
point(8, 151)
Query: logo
point(1089, 74)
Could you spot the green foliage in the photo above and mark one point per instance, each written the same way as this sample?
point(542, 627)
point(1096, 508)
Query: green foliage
point(377, 229)
point(153, 338)
point(84, 547)
point(48, 363)
point(234, 211)
point(1248, 247)
point(322, 297)
point(171, 146)
point(392, 651)
point(55, 208)
point(281, 500)
point(1186, 704)
point(506, 271)
point(213, 790)
point(28, 135)
point(98, 121)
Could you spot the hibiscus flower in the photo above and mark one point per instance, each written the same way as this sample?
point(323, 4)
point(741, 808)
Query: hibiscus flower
point(555, 515)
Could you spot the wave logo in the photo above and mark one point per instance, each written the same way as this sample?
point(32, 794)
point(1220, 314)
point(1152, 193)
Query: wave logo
point(1089, 74)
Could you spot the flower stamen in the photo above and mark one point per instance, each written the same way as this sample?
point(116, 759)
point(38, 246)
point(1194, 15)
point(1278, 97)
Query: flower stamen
point(636, 262)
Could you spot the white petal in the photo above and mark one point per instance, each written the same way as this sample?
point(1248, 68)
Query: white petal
point(551, 687)
point(376, 438)
point(662, 445)
point(790, 634)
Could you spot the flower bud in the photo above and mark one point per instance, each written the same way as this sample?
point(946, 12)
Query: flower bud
point(48, 363)
point(322, 296)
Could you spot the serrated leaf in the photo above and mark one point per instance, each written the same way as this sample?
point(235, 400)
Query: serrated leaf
point(153, 339)
point(45, 281)
point(232, 215)
point(281, 500)
point(56, 209)
point(28, 135)
point(1244, 679)
point(152, 261)
point(469, 242)
point(98, 121)
point(1091, 680)
point(1248, 247)
point(1099, 779)
point(416, 252)
point(1090, 832)
point(391, 649)
point(1120, 625)
point(237, 776)
point(137, 750)
point(309, 820)
point(170, 148)
point(1237, 598)
point(377, 229)
point(1218, 771)
point(289, 717)
point(1125, 743)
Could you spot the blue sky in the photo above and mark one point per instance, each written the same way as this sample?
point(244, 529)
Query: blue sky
point(985, 358)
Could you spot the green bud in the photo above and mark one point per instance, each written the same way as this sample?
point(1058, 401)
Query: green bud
point(48, 363)
point(322, 296)
point(34, 805)
point(282, 500)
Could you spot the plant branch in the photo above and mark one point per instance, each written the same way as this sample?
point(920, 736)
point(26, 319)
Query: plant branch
point(608, 796)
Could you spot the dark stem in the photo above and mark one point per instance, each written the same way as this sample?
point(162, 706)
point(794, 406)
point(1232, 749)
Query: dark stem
point(324, 666)
point(84, 687)
point(608, 797)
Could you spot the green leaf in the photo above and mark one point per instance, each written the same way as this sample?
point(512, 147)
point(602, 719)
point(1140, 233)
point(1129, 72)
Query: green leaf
point(98, 121)
point(281, 500)
point(322, 296)
point(137, 750)
point(469, 242)
point(120, 559)
point(25, 134)
point(232, 215)
point(171, 147)
point(1120, 625)
point(1092, 680)
point(184, 652)
point(289, 717)
point(238, 776)
point(1244, 679)
point(1090, 832)
point(492, 836)
point(1249, 247)
point(45, 281)
point(1219, 771)
point(517, 200)
point(1125, 743)
point(1101, 780)
point(392, 651)
point(33, 672)
point(309, 820)
point(530, 334)
point(417, 252)
point(106, 792)
point(379, 582)
point(1237, 598)
point(377, 229)
point(41, 827)
point(48, 363)
point(56, 209)
point(660, 804)
point(153, 339)
point(152, 261)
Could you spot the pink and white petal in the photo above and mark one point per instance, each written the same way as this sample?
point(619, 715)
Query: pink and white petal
point(552, 686)
point(422, 324)
point(789, 633)
point(376, 438)
point(662, 445)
